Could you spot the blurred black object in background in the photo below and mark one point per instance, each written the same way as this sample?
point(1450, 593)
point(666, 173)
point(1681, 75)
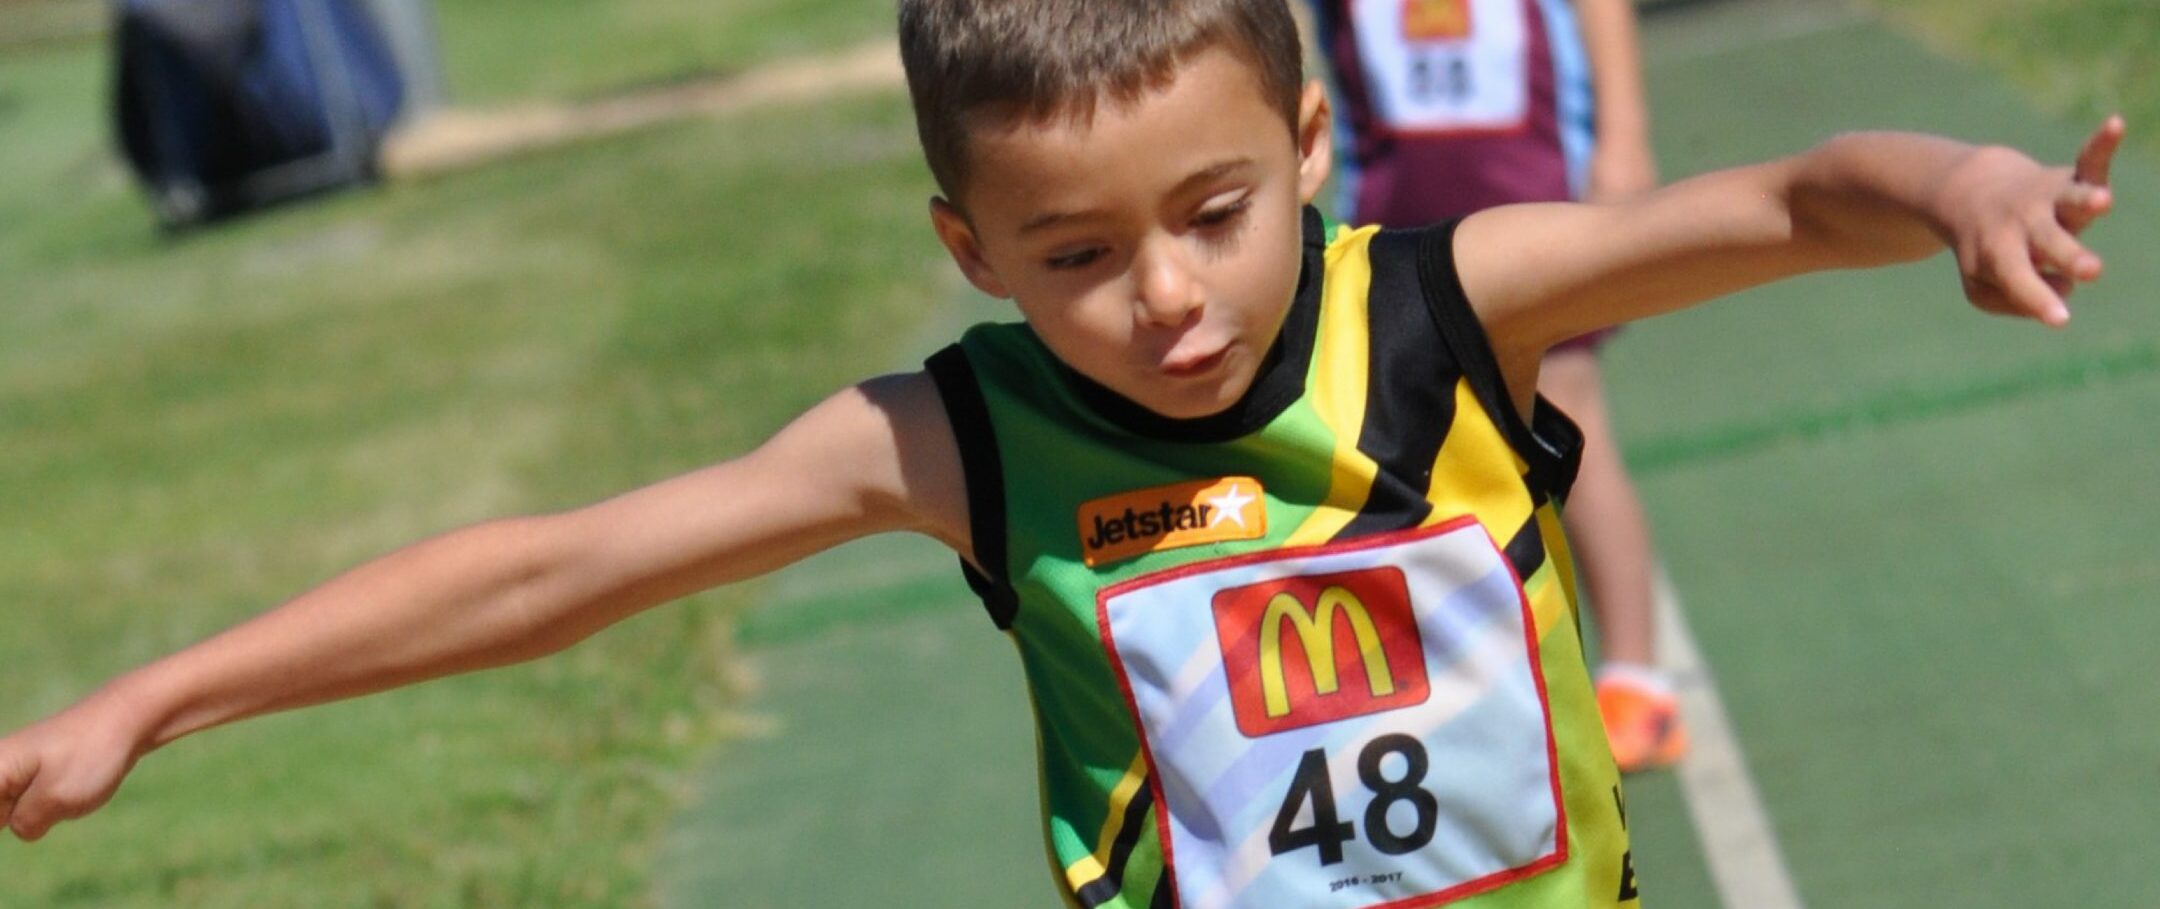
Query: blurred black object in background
point(226, 106)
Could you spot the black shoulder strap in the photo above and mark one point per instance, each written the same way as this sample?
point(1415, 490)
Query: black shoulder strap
point(985, 472)
point(1553, 445)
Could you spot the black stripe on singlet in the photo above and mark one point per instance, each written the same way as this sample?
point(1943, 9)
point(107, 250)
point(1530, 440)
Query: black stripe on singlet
point(1407, 413)
point(1165, 894)
point(1526, 549)
point(1105, 888)
point(1550, 442)
point(985, 473)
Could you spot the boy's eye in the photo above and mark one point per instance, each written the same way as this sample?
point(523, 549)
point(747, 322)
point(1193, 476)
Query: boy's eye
point(1076, 259)
point(1220, 213)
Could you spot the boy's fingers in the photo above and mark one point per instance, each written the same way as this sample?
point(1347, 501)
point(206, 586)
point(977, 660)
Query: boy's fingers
point(24, 819)
point(36, 813)
point(2026, 293)
point(2081, 204)
point(2098, 155)
point(2003, 278)
point(17, 773)
point(2056, 252)
point(32, 801)
point(25, 828)
point(2062, 286)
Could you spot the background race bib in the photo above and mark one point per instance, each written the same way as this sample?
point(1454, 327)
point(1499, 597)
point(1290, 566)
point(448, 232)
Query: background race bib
point(1445, 65)
point(1343, 726)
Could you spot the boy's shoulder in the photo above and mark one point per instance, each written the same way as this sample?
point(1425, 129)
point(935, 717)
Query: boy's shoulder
point(872, 457)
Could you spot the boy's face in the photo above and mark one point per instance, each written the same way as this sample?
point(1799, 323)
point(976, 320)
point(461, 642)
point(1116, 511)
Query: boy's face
point(1156, 247)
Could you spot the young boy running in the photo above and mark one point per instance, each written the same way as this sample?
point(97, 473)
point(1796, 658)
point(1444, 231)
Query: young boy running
point(1268, 507)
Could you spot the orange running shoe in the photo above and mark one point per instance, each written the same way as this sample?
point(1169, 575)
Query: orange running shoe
point(1643, 725)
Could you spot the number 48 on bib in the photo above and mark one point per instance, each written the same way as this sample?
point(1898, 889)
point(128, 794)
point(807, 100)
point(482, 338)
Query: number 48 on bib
point(1347, 726)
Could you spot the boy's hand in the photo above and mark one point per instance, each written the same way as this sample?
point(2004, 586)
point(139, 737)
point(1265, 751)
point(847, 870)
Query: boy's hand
point(2014, 226)
point(61, 769)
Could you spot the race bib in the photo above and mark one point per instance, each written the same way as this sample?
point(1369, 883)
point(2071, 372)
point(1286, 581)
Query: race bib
point(1445, 65)
point(1354, 725)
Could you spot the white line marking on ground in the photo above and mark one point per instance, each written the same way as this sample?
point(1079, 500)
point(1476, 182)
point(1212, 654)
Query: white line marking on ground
point(1738, 843)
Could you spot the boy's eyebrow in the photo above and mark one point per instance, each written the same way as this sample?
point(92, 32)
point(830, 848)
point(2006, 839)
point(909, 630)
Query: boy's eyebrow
point(1206, 174)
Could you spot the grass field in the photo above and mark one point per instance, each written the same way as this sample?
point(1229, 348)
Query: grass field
point(199, 427)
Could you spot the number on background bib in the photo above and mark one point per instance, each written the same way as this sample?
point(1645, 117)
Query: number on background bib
point(1445, 65)
point(1345, 726)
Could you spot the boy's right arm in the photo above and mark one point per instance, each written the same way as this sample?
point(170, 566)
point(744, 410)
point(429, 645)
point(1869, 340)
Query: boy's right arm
point(876, 457)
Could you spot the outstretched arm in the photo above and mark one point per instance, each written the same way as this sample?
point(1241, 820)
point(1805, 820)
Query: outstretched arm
point(876, 457)
point(1538, 274)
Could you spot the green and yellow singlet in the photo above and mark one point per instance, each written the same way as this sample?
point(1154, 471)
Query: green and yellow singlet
point(1319, 650)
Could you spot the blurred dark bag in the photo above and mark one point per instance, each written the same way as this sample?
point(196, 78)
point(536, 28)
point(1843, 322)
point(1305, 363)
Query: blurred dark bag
point(229, 105)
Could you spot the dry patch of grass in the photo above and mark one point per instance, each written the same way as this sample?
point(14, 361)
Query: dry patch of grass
point(2081, 58)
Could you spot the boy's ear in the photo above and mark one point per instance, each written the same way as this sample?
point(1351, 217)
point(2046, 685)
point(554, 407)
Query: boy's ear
point(959, 239)
point(1316, 141)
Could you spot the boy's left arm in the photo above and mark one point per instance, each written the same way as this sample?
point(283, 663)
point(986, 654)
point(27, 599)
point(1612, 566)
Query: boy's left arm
point(1539, 274)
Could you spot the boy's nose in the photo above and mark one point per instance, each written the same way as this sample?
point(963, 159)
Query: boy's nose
point(1167, 291)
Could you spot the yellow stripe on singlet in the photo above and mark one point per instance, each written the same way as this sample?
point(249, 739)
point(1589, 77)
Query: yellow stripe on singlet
point(1560, 562)
point(1088, 868)
point(1478, 472)
point(1338, 385)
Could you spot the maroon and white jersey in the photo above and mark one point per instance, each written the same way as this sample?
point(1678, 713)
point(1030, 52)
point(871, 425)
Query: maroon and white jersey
point(1451, 106)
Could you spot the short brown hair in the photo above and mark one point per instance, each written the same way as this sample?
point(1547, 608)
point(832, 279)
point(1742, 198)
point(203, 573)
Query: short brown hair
point(1036, 59)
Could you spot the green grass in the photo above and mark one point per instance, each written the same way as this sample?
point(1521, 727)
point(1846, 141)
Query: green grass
point(2084, 59)
point(199, 427)
point(497, 51)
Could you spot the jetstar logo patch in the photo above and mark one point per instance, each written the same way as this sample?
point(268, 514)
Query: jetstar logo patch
point(1115, 528)
point(1351, 648)
point(1436, 20)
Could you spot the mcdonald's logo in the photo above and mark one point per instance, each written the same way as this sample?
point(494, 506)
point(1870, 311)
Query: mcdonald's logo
point(1319, 648)
point(1436, 20)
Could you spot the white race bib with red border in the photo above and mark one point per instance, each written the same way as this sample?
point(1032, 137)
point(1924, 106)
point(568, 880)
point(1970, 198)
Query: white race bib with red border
point(1445, 65)
point(1354, 725)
